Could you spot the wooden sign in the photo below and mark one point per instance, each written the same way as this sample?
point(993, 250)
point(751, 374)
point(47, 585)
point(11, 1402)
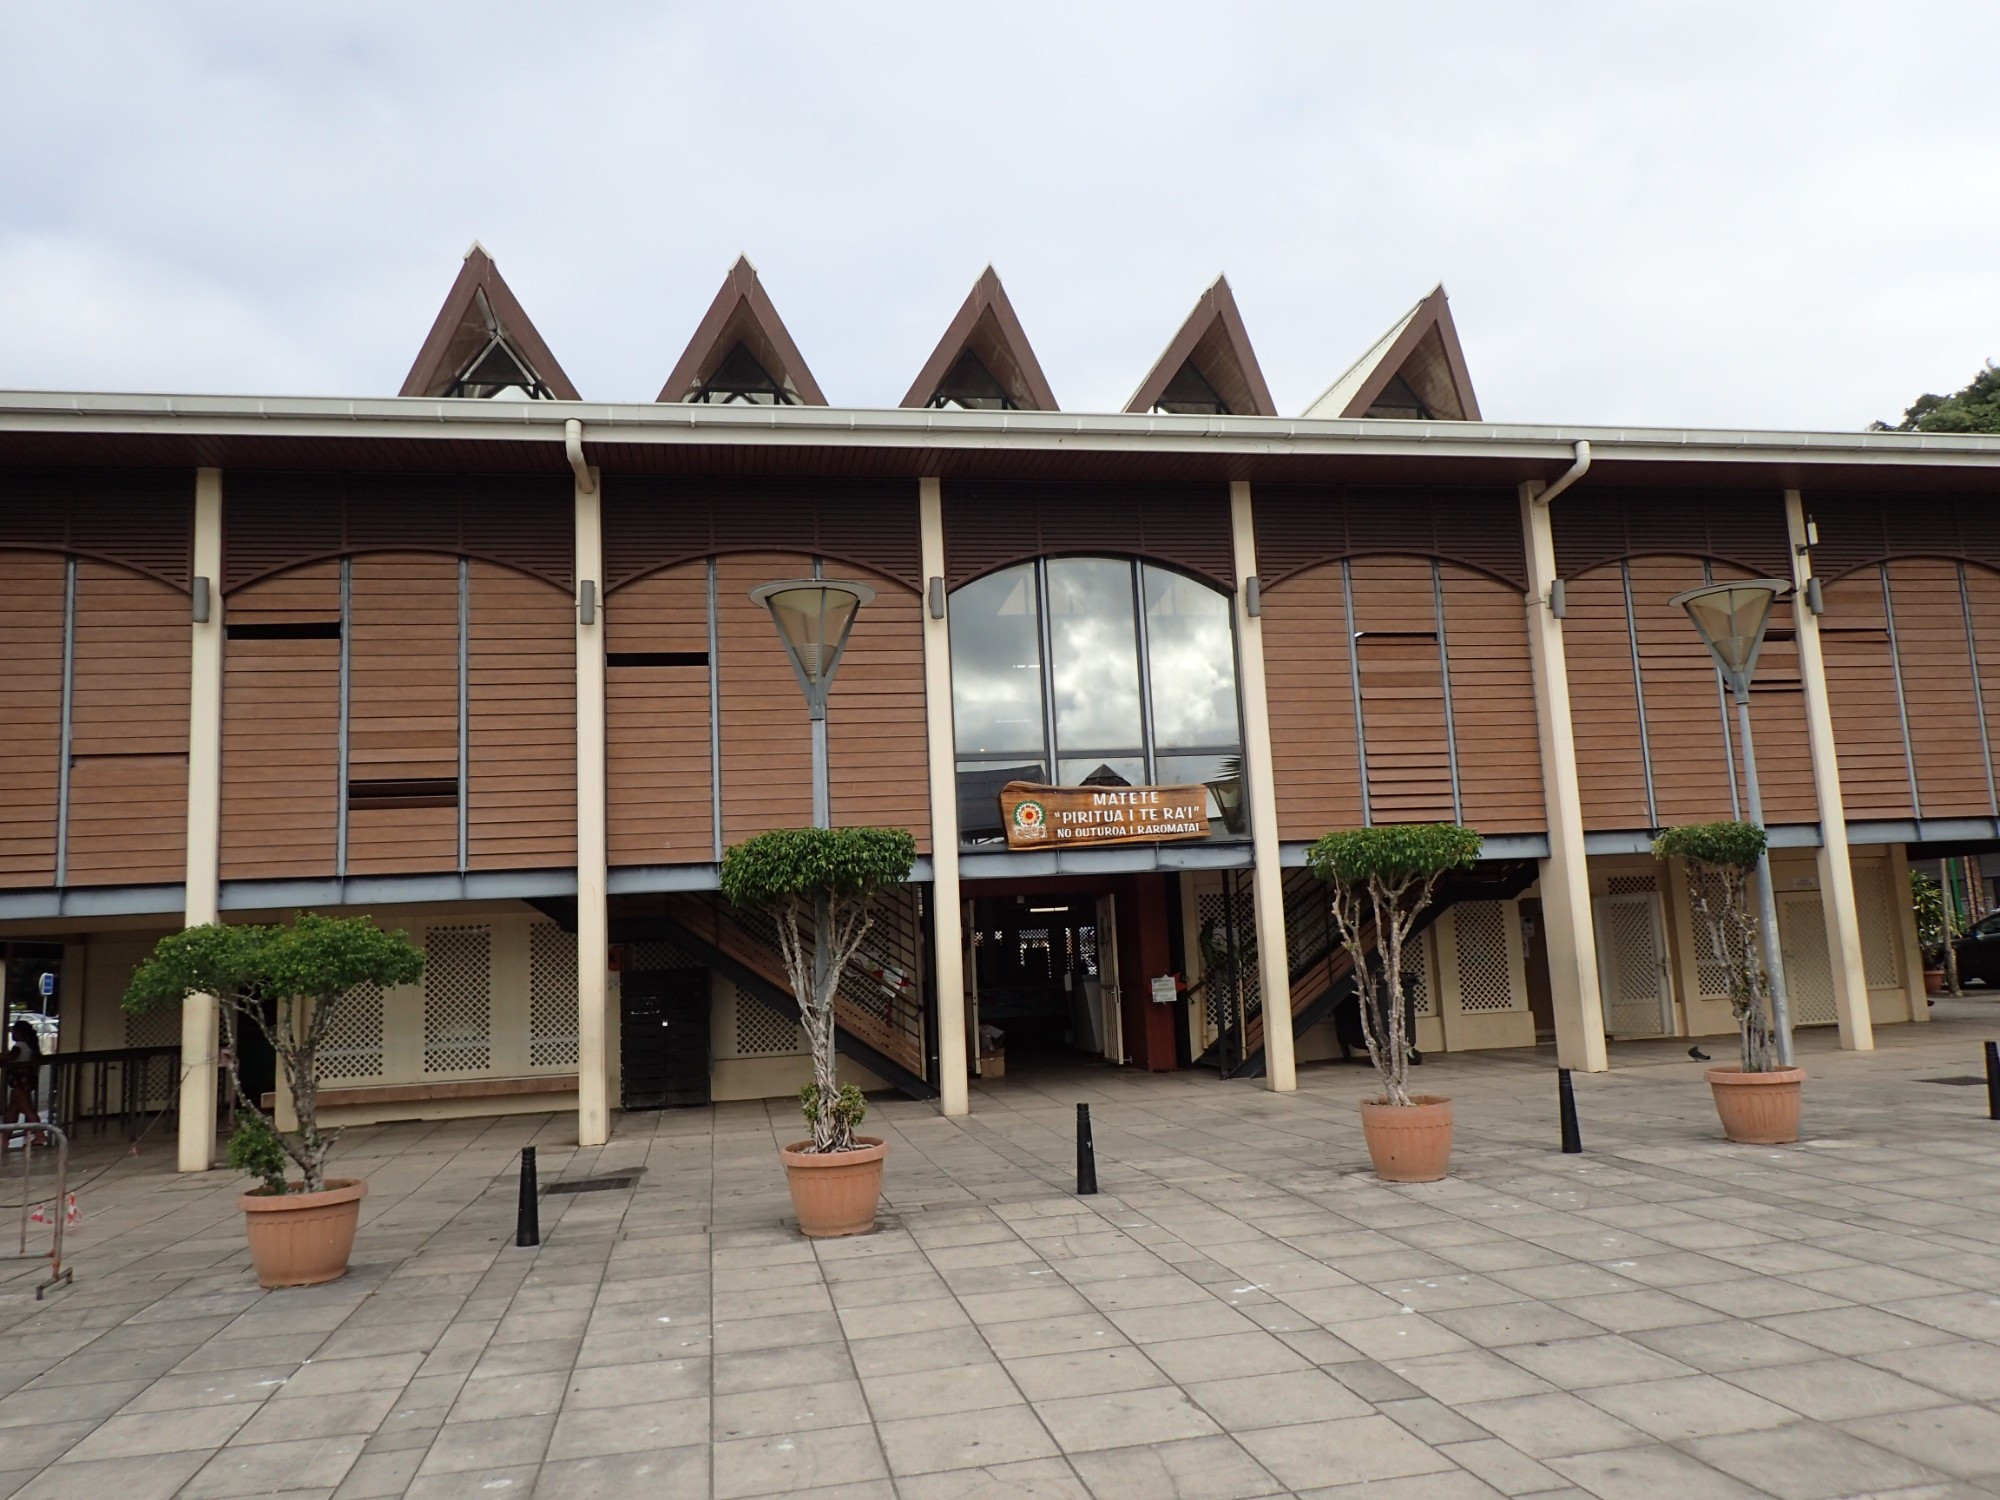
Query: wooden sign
point(1069, 817)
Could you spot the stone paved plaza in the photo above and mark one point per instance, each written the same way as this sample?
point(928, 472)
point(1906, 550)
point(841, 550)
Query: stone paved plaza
point(1242, 1311)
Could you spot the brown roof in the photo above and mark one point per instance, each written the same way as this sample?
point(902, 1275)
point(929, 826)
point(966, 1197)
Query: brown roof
point(1214, 341)
point(742, 313)
point(480, 304)
point(987, 329)
point(1422, 351)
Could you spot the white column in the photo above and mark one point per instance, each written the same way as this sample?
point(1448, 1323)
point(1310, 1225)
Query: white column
point(593, 922)
point(1565, 874)
point(1274, 980)
point(204, 824)
point(1836, 870)
point(954, 1096)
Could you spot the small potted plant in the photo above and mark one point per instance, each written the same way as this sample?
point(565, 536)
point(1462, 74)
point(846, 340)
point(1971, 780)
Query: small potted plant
point(1757, 1100)
point(1381, 881)
point(290, 983)
point(1935, 935)
point(821, 884)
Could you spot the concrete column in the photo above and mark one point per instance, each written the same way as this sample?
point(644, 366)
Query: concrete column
point(204, 824)
point(1836, 870)
point(593, 919)
point(1565, 875)
point(947, 910)
point(1274, 980)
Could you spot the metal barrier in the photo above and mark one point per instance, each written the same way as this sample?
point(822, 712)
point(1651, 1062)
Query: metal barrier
point(121, 1083)
point(35, 1134)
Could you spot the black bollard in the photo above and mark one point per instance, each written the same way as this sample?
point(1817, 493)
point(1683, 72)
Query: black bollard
point(1993, 1080)
point(1572, 1137)
point(528, 1225)
point(1086, 1153)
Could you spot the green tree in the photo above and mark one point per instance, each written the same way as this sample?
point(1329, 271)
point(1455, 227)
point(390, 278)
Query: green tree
point(1974, 409)
point(1721, 858)
point(1382, 879)
point(821, 883)
point(290, 983)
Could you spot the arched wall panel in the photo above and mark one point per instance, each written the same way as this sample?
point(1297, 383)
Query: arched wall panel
point(31, 628)
point(657, 748)
point(521, 721)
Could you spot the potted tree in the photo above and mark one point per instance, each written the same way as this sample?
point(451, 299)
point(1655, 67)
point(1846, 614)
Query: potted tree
point(1935, 935)
point(1381, 881)
point(290, 983)
point(821, 883)
point(1758, 1101)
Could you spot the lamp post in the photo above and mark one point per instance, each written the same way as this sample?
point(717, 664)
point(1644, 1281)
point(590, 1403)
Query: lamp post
point(814, 617)
point(1731, 618)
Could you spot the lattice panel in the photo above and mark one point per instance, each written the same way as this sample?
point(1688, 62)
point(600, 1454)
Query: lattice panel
point(1417, 974)
point(1808, 964)
point(654, 958)
point(762, 1031)
point(1631, 885)
point(458, 1000)
point(352, 1047)
point(1215, 909)
point(1631, 938)
point(1711, 965)
point(1877, 916)
point(1485, 975)
point(552, 1002)
point(156, 1028)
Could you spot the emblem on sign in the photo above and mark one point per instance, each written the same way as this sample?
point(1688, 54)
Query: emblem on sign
point(1031, 823)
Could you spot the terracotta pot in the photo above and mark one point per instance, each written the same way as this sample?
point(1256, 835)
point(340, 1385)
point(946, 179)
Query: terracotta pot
point(1758, 1109)
point(1408, 1142)
point(1934, 981)
point(302, 1239)
point(835, 1192)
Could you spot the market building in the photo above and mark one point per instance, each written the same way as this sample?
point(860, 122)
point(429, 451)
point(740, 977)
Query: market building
point(483, 661)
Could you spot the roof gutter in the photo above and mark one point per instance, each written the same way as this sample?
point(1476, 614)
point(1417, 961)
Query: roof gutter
point(1571, 475)
point(586, 483)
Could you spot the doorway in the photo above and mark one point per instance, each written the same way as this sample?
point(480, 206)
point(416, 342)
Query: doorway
point(663, 1050)
point(1632, 965)
point(1044, 973)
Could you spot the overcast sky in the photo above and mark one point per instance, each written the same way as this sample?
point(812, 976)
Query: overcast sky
point(1763, 215)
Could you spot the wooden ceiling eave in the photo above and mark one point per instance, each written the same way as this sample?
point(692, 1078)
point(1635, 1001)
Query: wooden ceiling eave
point(741, 300)
point(1432, 317)
point(432, 373)
point(987, 325)
point(1214, 325)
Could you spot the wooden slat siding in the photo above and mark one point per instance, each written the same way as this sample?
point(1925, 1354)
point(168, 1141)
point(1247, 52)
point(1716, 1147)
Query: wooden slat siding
point(1777, 717)
point(31, 646)
point(1683, 714)
point(1861, 692)
point(128, 729)
point(1857, 531)
point(656, 737)
point(989, 524)
point(402, 707)
point(280, 731)
point(656, 523)
point(1595, 526)
point(522, 681)
point(766, 740)
point(1982, 589)
point(1493, 703)
point(1402, 690)
point(1604, 711)
point(877, 760)
point(142, 519)
point(1314, 762)
point(1937, 685)
point(1301, 527)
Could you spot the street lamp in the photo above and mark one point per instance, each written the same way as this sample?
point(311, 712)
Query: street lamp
point(1730, 618)
point(814, 617)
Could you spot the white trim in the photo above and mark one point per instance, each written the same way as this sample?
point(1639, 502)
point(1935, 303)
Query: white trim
point(202, 893)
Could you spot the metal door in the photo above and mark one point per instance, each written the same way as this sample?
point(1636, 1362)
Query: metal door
point(1632, 965)
point(1107, 979)
point(664, 1043)
point(1808, 965)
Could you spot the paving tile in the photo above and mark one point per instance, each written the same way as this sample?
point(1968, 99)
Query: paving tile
point(1461, 1375)
point(275, 1468)
point(797, 1462)
point(1719, 1347)
point(139, 1433)
point(660, 1471)
point(965, 1440)
point(1223, 1356)
point(1959, 1440)
point(1551, 1425)
point(1207, 1468)
point(630, 1429)
point(1319, 1455)
point(1029, 1479)
point(511, 1443)
point(379, 1476)
point(1155, 1414)
point(1606, 1359)
point(1809, 1461)
point(154, 1476)
point(1967, 1370)
point(323, 1416)
point(1652, 1473)
point(1832, 1390)
point(1068, 1335)
point(1687, 1406)
point(1122, 1367)
point(1504, 1466)
point(81, 1403)
point(1287, 1399)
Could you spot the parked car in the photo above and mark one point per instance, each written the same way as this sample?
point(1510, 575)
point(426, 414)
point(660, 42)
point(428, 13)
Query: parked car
point(1978, 952)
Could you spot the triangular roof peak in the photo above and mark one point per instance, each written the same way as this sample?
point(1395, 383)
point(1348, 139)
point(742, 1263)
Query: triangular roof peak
point(1209, 365)
point(741, 351)
point(984, 359)
point(483, 342)
point(1415, 370)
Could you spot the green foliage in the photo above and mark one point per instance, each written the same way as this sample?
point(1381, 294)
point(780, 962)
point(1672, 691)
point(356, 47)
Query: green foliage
point(1974, 409)
point(289, 983)
point(1393, 853)
point(837, 1117)
point(773, 868)
point(256, 1151)
point(1735, 846)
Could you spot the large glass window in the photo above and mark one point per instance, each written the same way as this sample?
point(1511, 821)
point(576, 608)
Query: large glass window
point(1107, 671)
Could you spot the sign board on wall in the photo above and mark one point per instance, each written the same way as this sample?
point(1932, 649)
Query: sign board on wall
point(1059, 817)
